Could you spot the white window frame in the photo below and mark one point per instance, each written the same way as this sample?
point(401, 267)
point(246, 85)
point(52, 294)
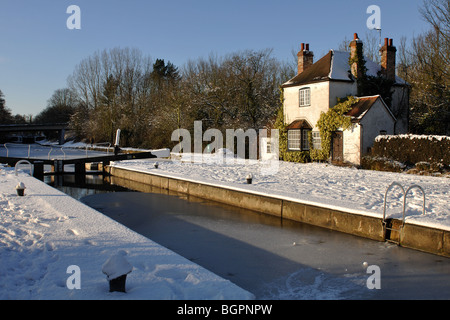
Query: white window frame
point(316, 140)
point(305, 139)
point(295, 140)
point(298, 140)
point(304, 97)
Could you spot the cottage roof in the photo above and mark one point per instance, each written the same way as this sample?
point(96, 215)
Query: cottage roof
point(299, 124)
point(360, 109)
point(334, 66)
point(319, 71)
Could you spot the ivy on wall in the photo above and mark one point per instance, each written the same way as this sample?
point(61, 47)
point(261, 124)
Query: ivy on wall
point(329, 122)
point(285, 154)
point(359, 61)
point(369, 85)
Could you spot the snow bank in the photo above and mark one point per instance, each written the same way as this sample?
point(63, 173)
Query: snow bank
point(46, 232)
point(349, 189)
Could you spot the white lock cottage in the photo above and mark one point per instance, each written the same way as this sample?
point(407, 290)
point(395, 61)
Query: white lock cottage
point(317, 86)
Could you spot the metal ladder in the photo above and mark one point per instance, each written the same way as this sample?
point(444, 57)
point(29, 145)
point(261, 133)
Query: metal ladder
point(23, 162)
point(387, 223)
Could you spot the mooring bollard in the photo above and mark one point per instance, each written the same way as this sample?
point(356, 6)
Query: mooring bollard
point(116, 269)
point(20, 188)
point(249, 179)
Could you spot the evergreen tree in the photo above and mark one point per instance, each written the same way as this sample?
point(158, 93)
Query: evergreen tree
point(5, 114)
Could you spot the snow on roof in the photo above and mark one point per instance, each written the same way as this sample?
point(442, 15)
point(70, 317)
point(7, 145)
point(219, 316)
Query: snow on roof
point(360, 109)
point(340, 68)
point(334, 66)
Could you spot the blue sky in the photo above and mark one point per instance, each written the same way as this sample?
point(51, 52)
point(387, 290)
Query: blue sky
point(38, 52)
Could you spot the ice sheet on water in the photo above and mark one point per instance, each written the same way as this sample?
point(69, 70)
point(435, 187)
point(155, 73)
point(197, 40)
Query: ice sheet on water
point(313, 284)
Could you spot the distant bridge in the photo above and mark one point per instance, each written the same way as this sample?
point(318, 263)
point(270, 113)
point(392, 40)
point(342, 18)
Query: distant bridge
point(59, 127)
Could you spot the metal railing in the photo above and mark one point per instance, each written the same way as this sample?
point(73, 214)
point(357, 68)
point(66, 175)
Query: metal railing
point(8, 147)
point(21, 162)
point(405, 194)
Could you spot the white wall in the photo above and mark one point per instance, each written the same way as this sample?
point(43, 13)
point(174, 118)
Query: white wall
point(352, 144)
point(341, 89)
point(362, 136)
point(374, 121)
point(319, 103)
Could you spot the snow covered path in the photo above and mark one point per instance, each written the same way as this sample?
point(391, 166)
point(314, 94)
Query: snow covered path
point(349, 189)
point(45, 232)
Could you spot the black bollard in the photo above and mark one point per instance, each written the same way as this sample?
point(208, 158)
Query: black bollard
point(116, 269)
point(118, 284)
point(20, 188)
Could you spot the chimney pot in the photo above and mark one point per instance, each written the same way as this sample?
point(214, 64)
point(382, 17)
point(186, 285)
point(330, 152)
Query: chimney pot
point(388, 59)
point(356, 48)
point(305, 58)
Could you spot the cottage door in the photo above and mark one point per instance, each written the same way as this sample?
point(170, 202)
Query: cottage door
point(338, 147)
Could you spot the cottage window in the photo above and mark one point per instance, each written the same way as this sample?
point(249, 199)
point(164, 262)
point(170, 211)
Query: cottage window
point(298, 140)
point(305, 97)
point(316, 140)
point(305, 139)
point(294, 139)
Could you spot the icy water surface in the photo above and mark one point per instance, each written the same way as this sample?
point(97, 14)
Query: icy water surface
point(277, 259)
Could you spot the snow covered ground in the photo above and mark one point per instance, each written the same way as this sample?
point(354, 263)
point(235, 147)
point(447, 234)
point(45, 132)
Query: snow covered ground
point(350, 189)
point(45, 233)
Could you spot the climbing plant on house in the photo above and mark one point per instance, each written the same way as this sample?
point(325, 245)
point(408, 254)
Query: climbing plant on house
point(285, 154)
point(369, 85)
point(358, 61)
point(333, 120)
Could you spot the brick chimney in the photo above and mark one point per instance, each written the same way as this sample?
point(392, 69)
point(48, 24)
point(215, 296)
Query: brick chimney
point(388, 53)
point(356, 50)
point(305, 58)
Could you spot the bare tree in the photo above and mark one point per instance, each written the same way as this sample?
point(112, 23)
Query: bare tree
point(257, 82)
point(426, 67)
point(147, 100)
point(437, 14)
point(371, 45)
point(60, 107)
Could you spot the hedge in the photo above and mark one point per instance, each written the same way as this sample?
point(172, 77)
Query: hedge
point(412, 149)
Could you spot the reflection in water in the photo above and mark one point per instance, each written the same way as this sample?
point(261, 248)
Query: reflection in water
point(79, 186)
